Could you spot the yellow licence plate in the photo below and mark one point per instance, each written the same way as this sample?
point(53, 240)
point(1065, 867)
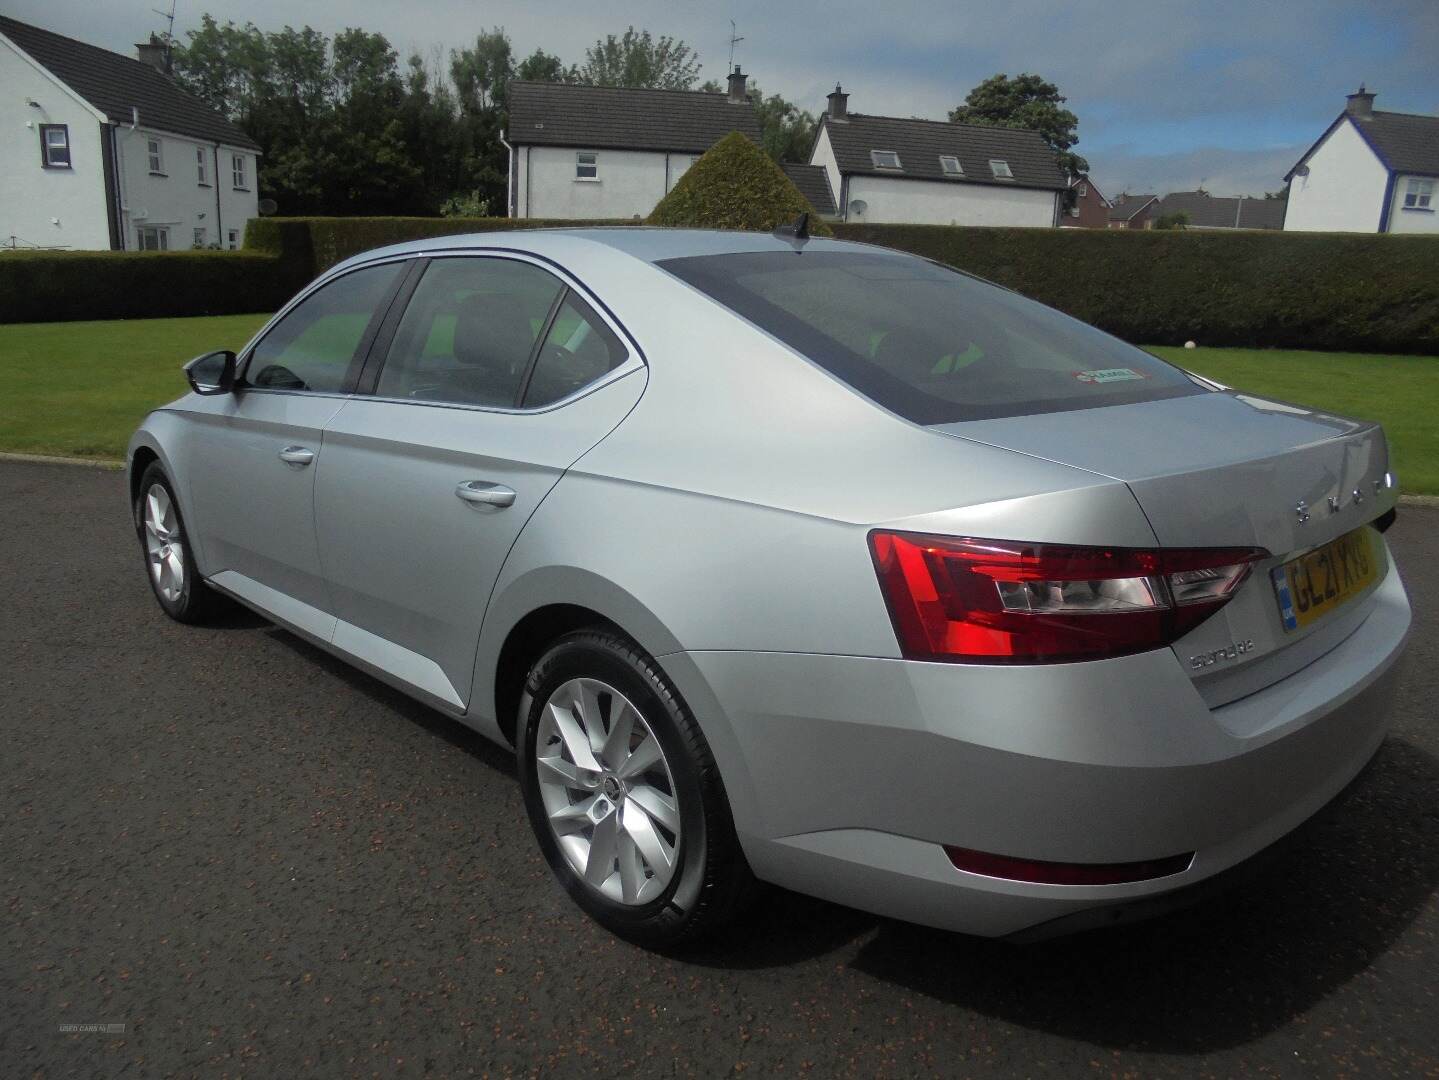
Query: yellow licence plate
point(1316, 583)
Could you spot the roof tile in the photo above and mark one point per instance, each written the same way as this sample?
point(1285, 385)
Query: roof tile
point(624, 118)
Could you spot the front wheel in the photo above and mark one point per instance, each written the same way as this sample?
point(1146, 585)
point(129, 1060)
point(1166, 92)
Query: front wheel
point(623, 793)
point(165, 544)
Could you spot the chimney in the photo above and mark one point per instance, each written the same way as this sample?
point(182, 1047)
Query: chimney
point(1361, 104)
point(154, 52)
point(737, 80)
point(838, 104)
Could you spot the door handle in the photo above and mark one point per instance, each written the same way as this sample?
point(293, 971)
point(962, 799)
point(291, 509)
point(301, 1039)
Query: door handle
point(481, 493)
point(297, 455)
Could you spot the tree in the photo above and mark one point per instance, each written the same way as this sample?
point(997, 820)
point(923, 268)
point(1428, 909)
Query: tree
point(638, 59)
point(734, 185)
point(1029, 102)
point(481, 73)
point(1177, 220)
point(540, 66)
point(786, 130)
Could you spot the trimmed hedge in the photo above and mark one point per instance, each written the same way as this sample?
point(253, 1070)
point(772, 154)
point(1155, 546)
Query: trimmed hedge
point(59, 286)
point(1333, 291)
point(321, 242)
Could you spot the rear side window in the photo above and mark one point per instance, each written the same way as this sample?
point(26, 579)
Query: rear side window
point(469, 332)
point(312, 347)
point(926, 342)
point(578, 350)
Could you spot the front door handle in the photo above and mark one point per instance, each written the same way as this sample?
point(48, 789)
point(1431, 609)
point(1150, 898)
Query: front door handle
point(481, 493)
point(297, 455)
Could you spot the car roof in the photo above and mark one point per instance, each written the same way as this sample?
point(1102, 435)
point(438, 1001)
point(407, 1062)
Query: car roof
point(641, 242)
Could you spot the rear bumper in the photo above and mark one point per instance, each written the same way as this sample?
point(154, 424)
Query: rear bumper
point(847, 774)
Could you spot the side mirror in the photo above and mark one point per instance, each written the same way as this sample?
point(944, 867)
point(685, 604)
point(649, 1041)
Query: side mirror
point(213, 373)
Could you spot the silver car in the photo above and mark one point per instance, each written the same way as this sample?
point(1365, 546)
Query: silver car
point(796, 561)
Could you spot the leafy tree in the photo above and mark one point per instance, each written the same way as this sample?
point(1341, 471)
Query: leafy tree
point(1177, 220)
point(481, 73)
point(540, 66)
point(786, 130)
point(734, 185)
point(1029, 102)
point(638, 59)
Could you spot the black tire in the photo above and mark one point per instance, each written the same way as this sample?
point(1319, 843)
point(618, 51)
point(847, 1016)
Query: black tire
point(712, 882)
point(196, 602)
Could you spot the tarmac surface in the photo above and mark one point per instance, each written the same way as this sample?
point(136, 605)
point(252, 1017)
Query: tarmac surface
point(256, 861)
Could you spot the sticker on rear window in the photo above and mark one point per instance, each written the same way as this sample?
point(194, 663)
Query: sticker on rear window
point(1109, 374)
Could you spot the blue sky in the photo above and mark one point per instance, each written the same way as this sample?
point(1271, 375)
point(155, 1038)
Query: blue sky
point(1168, 93)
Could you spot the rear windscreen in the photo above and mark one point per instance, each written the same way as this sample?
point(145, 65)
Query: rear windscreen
point(927, 342)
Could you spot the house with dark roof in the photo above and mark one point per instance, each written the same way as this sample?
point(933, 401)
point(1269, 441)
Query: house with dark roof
point(1133, 211)
point(1086, 207)
point(102, 151)
point(611, 152)
point(1370, 171)
point(933, 172)
point(1202, 210)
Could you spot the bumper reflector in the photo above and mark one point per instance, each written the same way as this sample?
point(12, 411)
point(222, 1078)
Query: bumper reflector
point(1058, 873)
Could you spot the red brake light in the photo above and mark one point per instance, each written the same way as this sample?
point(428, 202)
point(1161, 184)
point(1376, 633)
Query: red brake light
point(1006, 602)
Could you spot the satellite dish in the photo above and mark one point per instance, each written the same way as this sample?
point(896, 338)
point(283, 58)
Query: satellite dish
point(858, 206)
point(267, 206)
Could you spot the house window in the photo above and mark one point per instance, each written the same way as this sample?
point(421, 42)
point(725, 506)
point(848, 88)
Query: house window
point(157, 156)
point(232, 239)
point(1082, 190)
point(201, 238)
point(237, 171)
point(202, 168)
point(950, 165)
point(1000, 169)
point(1419, 195)
point(55, 146)
point(154, 238)
point(587, 166)
point(885, 159)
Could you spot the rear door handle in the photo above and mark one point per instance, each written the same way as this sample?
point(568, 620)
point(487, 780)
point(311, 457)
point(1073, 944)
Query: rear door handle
point(297, 455)
point(481, 493)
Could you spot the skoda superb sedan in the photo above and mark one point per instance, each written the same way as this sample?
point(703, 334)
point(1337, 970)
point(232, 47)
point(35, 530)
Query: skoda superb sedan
point(802, 562)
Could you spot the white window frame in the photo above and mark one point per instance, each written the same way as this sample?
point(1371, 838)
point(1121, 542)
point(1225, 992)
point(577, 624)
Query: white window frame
point(158, 237)
point(1082, 190)
point(51, 151)
point(587, 159)
point(948, 160)
point(875, 155)
point(1000, 168)
point(239, 173)
point(202, 167)
point(232, 239)
point(1419, 194)
point(155, 151)
point(200, 237)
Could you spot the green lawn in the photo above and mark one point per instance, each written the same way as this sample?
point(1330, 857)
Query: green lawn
point(80, 388)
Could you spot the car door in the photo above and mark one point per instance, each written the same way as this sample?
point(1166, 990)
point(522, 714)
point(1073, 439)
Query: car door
point(494, 379)
point(255, 455)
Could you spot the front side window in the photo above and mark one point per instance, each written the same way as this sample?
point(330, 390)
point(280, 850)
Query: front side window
point(202, 167)
point(313, 347)
point(156, 151)
point(1419, 195)
point(237, 171)
point(885, 159)
point(55, 146)
point(154, 238)
point(1001, 170)
point(579, 349)
point(201, 237)
point(587, 166)
point(926, 342)
point(950, 165)
point(232, 239)
point(469, 332)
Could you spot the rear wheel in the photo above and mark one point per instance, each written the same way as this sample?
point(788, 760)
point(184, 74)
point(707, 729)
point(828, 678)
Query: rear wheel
point(623, 793)
point(166, 547)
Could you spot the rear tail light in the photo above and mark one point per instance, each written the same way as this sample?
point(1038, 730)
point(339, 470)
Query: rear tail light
point(1005, 602)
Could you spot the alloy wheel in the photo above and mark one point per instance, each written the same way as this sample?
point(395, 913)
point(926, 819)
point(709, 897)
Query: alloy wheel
point(608, 792)
point(164, 548)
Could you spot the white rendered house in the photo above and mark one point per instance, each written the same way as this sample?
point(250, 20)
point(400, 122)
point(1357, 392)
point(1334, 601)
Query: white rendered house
point(600, 152)
point(100, 151)
point(933, 172)
point(1370, 171)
